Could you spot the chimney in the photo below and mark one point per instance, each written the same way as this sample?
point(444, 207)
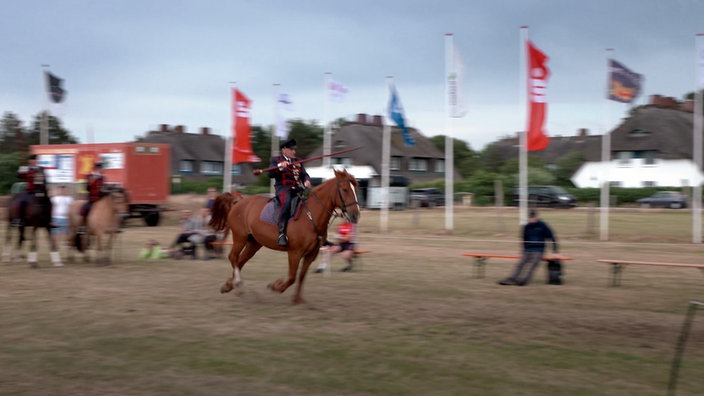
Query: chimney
point(164, 128)
point(362, 118)
point(582, 134)
point(378, 121)
point(205, 131)
point(179, 129)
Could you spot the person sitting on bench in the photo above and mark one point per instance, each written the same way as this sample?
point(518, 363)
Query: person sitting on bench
point(535, 234)
point(344, 243)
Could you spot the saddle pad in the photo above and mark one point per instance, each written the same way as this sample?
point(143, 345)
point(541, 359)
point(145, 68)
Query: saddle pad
point(270, 212)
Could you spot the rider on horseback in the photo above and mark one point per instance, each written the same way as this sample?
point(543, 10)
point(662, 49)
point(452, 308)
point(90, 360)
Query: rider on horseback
point(290, 178)
point(95, 185)
point(35, 177)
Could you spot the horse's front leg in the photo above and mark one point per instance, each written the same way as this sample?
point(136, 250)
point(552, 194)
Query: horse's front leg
point(32, 255)
point(307, 261)
point(280, 285)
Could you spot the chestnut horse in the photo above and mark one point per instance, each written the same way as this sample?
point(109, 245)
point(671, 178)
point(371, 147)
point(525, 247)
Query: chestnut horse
point(103, 223)
point(306, 233)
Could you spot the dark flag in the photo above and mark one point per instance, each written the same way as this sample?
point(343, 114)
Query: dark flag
point(624, 84)
point(54, 89)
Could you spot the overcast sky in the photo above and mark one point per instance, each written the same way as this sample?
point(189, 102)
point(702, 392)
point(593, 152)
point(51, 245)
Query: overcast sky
point(130, 65)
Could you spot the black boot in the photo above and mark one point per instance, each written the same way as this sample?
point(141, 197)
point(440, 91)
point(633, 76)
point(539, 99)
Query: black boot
point(283, 240)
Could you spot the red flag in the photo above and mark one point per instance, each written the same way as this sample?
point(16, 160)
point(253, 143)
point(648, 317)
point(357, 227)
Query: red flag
point(538, 74)
point(242, 148)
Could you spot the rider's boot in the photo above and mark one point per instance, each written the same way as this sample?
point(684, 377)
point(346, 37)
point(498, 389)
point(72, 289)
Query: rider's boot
point(283, 240)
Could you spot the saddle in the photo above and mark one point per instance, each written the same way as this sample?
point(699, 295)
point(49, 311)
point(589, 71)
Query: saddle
point(271, 210)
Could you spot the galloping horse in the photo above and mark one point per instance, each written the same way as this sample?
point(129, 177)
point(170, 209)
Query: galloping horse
point(37, 215)
point(102, 224)
point(306, 233)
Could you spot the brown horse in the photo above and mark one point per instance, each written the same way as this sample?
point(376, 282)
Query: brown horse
point(37, 215)
point(102, 224)
point(306, 233)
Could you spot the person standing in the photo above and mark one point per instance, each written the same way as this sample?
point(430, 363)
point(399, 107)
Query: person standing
point(60, 205)
point(290, 178)
point(212, 196)
point(535, 234)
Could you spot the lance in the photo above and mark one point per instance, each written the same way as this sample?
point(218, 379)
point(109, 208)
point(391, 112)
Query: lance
point(259, 171)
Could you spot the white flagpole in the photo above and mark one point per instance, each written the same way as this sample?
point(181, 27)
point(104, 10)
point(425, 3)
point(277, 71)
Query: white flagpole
point(44, 127)
point(385, 159)
point(523, 151)
point(449, 149)
point(606, 160)
point(326, 122)
point(698, 126)
point(227, 175)
point(274, 131)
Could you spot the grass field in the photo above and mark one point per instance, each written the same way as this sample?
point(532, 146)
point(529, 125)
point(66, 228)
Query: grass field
point(412, 320)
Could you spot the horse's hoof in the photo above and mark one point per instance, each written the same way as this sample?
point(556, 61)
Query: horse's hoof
point(225, 289)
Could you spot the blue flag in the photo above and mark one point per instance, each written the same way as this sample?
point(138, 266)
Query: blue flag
point(396, 114)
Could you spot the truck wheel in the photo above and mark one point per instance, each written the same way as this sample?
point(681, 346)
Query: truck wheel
point(151, 219)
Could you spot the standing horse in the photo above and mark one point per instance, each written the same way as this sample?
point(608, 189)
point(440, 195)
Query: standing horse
point(37, 214)
point(102, 224)
point(251, 228)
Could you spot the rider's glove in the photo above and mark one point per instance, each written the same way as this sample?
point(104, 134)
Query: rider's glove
point(282, 165)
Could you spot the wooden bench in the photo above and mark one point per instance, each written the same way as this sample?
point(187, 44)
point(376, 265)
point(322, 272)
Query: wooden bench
point(482, 258)
point(617, 267)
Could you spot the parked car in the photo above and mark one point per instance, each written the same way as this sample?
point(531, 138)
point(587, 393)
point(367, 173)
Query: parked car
point(664, 199)
point(547, 196)
point(426, 197)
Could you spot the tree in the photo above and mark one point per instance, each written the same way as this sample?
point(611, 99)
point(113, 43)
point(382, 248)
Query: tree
point(12, 135)
point(8, 169)
point(56, 133)
point(466, 160)
point(309, 136)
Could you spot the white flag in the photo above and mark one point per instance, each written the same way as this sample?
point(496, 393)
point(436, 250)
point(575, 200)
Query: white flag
point(283, 103)
point(701, 64)
point(455, 85)
point(337, 91)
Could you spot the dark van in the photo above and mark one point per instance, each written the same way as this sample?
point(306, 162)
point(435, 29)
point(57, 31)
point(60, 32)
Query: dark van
point(546, 196)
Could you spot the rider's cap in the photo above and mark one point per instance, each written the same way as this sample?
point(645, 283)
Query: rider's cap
point(98, 164)
point(291, 144)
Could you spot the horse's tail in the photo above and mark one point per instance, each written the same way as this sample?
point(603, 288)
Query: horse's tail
point(221, 208)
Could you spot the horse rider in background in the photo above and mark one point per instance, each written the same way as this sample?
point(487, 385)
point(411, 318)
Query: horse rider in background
point(35, 177)
point(95, 185)
point(290, 178)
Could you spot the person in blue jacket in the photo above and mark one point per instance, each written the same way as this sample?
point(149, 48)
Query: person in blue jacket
point(536, 233)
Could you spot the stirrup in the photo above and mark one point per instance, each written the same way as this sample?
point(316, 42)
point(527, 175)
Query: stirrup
point(283, 240)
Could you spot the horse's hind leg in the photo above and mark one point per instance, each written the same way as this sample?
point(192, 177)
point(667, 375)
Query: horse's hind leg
point(7, 249)
point(238, 258)
point(280, 285)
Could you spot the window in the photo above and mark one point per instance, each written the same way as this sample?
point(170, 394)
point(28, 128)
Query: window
point(637, 133)
point(649, 184)
point(418, 165)
point(624, 157)
point(186, 166)
point(344, 161)
point(211, 167)
point(615, 184)
point(649, 157)
point(236, 170)
point(439, 165)
point(395, 163)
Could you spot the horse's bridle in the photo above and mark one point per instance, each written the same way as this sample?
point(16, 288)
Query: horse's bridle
point(342, 200)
